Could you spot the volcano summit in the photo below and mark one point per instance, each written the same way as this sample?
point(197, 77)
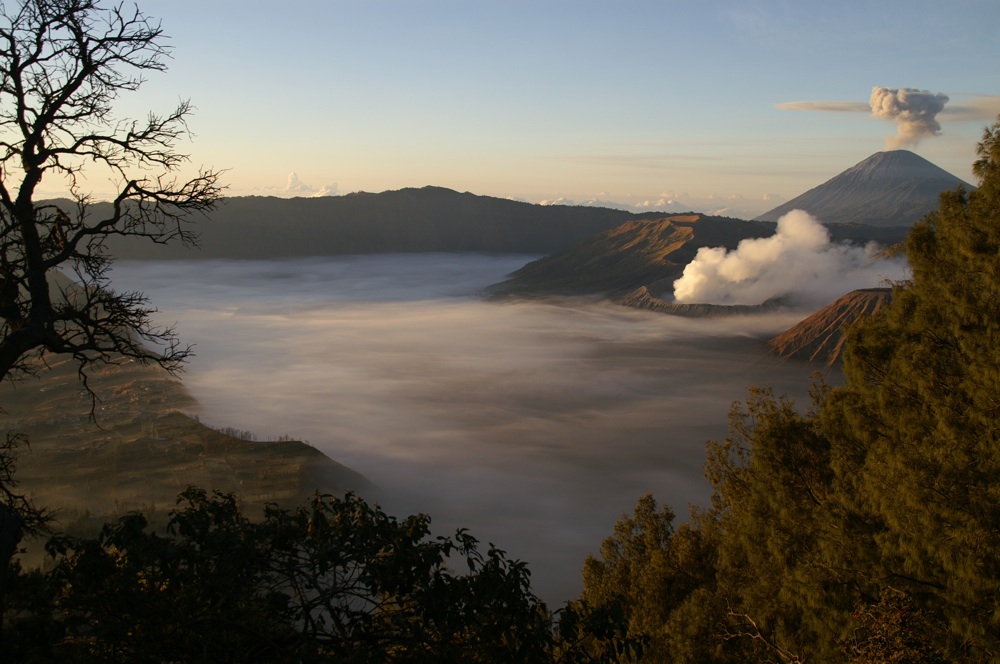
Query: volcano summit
point(894, 188)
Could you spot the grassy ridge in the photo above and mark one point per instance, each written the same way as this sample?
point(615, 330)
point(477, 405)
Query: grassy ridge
point(140, 451)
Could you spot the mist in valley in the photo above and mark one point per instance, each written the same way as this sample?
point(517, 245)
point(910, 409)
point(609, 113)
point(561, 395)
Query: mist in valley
point(534, 423)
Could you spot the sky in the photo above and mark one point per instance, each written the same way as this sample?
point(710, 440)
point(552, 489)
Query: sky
point(728, 107)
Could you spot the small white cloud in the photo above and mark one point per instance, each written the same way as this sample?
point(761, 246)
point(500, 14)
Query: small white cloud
point(660, 204)
point(296, 187)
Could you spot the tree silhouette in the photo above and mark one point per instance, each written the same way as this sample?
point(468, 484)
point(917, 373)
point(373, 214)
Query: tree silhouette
point(63, 65)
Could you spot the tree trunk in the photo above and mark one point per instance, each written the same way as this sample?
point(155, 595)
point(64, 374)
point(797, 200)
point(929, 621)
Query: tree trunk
point(11, 530)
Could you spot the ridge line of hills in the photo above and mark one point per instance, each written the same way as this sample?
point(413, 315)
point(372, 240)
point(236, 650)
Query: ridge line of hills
point(427, 219)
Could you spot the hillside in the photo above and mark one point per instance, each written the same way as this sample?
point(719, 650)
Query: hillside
point(820, 337)
point(637, 262)
point(142, 451)
point(894, 188)
point(430, 219)
point(635, 254)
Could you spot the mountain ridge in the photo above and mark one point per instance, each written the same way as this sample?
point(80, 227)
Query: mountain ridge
point(426, 219)
point(637, 262)
point(635, 254)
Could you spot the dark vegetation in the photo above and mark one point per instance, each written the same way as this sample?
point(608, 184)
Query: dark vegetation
point(63, 64)
point(333, 580)
point(864, 529)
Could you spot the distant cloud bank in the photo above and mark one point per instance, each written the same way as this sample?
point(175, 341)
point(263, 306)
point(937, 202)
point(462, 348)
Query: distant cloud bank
point(984, 108)
point(732, 205)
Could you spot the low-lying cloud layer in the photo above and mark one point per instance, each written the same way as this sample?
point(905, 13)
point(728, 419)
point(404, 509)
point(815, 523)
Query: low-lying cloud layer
point(798, 262)
point(534, 424)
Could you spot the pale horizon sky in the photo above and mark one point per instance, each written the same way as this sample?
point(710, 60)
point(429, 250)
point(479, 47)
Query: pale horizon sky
point(630, 101)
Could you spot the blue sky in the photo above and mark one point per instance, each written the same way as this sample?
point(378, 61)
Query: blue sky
point(577, 100)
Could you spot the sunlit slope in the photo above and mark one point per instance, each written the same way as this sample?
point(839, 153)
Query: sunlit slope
point(637, 263)
point(820, 337)
point(142, 451)
point(429, 219)
point(637, 253)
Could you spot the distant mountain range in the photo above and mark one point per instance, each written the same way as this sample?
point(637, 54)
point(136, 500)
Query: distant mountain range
point(887, 190)
point(430, 219)
point(895, 188)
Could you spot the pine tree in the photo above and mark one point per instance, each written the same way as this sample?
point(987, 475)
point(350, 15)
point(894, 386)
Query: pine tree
point(916, 428)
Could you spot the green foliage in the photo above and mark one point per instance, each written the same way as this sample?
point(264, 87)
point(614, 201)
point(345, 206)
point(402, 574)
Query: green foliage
point(772, 505)
point(660, 578)
point(893, 630)
point(917, 420)
point(336, 579)
point(865, 529)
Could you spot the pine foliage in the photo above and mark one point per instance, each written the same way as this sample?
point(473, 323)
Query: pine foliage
point(867, 528)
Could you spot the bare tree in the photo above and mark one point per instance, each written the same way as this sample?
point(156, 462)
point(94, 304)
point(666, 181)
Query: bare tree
point(63, 65)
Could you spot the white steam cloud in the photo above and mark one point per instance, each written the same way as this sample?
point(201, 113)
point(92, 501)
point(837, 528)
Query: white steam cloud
point(798, 261)
point(914, 111)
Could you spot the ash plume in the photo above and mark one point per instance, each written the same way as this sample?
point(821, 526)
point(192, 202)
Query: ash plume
point(914, 111)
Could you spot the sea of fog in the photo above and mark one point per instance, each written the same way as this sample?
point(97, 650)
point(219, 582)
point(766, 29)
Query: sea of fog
point(535, 424)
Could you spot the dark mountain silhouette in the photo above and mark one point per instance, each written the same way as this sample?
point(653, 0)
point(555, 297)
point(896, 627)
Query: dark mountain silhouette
point(895, 188)
point(820, 337)
point(407, 220)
